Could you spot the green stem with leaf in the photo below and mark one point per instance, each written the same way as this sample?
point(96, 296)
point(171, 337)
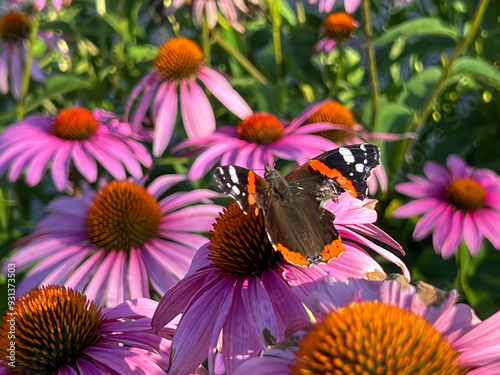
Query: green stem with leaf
point(121, 46)
point(372, 65)
point(463, 258)
point(301, 12)
point(35, 24)
point(340, 68)
point(245, 63)
point(436, 91)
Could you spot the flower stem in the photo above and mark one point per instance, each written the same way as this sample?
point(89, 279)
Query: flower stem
point(276, 30)
point(372, 65)
point(121, 46)
point(245, 63)
point(27, 68)
point(463, 258)
point(205, 40)
point(476, 21)
point(301, 12)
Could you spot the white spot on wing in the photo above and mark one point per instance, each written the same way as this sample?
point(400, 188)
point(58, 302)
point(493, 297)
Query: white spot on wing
point(359, 167)
point(347, 154)
point(362, 147)
point(232, 173)
point(236, 190)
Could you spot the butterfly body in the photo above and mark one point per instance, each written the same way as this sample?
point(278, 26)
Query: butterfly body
point(296, 223)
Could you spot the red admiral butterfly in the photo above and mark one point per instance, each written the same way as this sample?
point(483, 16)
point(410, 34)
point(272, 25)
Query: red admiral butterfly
point(296, 223)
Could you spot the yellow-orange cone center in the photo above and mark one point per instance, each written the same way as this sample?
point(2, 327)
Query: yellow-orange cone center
point(375, 338)
point(339, 25)
point(74, 124)
point(334, 113)
point(50, 328)
point(239, 244)
point(178, 58)
point(465, 194)
point(261, 128)
point(14, 27)
point(122, 215)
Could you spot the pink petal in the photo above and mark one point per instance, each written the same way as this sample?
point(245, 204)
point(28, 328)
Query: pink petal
point(60, 167)
point(415, 208)
point(165, 121)
point(472, 235)
point(84, 162)
point(455, 235)
point(457, 166)
point(202, 114)
point(437, 173)
point(161, 184)
point(351, 6)
point(428, 221)
point(223, 91)
point(37, 167)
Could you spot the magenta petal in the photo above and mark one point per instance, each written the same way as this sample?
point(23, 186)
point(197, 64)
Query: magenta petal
point(259, 308)
point(238, 339)
point(197, 112)
point(84, 162)
point(116, 291)
point(113, 166)
point(436, 173)
point(442, 228)
point(165, 121)
point(66, 370)
point(351, 6)
point(472, 235)
point(37, 167)
point(286, 304)
point(16, 72)
point(60, 167)
point(457, 166)
point(176, 299)
point(428, 222)
point(455, 235)
point(87, 368)
point(191, 344)
point(223, 91)
point(415, 208)
point(4, 71)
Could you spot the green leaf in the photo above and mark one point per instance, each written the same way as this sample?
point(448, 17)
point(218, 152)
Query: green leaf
point(417, 26)
point(56, 85)
point(141, 53)
point(478, 69)
point(420, 85)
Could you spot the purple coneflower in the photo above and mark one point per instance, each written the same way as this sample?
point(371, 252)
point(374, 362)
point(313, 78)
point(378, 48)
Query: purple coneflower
point(230, 9)
point(14, 31)
point(326, 6)
point(344, 130)
point(382, 327)
point(458, 203)
point(240, 292)
point(179, 63)
point(73, 139)
point(255, 142)
point(337, 28)
point(57, 330)
point(40, 4)
point(117, 243)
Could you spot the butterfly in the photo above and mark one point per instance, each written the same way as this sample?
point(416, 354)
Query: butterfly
point(296, 223)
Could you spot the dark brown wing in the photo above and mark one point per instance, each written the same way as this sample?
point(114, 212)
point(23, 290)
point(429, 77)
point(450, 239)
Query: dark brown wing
point(302, 230)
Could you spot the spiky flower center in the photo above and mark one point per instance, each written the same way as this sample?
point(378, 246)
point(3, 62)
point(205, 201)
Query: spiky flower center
point(178, 58)
point(465, 194)
point(122, 215)
point(74, 124)
point(14, 27)
point(239, 244)
point(375, 338)
point(334, 113)
point(339, 25)
point(261, 128)
point(51, 327)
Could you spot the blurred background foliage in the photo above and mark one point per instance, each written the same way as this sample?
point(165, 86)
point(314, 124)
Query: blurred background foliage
point(111, 45)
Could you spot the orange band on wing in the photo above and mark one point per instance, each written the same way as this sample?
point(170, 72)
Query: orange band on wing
point(332, 250)
point(292, 256)
point(251, 187)
point(333, 173)
point(329, 252)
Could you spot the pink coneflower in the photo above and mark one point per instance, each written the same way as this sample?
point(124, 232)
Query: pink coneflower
point(382, 327)
point(72, 140)
point(255, 142)
point(326, 6)
point(345, 130)
point(458, 202)
point(14, 31)
point(117, 243)
point(240, 292)
point(179, 63)
point(230, 9)
point(56, 330)
point(337, 28)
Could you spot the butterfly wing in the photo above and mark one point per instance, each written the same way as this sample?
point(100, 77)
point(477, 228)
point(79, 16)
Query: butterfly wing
point(343, 169)
point(243, 185)
point(302, 230)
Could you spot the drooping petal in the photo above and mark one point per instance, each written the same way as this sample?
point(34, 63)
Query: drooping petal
point(165, 121)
